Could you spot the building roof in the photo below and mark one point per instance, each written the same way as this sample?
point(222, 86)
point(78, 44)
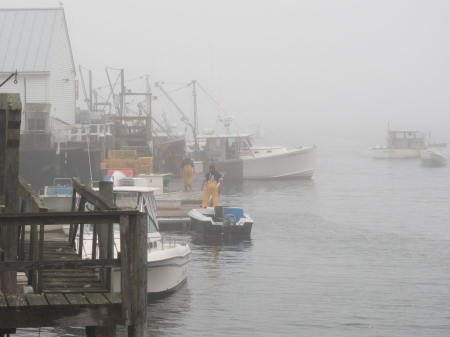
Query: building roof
point(27, 38)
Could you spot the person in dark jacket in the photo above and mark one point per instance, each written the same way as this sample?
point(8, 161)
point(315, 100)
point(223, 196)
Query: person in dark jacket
point(212, 179)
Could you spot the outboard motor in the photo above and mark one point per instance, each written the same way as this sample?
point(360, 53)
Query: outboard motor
point(229, 224)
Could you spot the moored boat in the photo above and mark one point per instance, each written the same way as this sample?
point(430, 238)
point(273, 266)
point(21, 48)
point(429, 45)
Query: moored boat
point(437, 144)
point(235, 155)
point(167, 260)
point(401, 144)
point(217, 222)
point(432, 158)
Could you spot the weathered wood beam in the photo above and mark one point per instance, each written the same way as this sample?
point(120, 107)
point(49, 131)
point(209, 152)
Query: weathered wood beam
point(31, 197)
point(92, 196)
point(134, 273)
point(13, 106)
point(59, 264)
point(56, 218)
point(52, 316)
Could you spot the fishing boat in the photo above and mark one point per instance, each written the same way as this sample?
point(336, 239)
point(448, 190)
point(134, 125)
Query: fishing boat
point(437, 144)
point(401, 144)
point(167, 260)
point(235, 155)
point(432, 158)
point(217, 222)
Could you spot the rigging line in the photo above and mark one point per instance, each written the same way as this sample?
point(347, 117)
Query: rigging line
point(84, 89)
point(113, 68)
point(221, 113)
point(253, 121)
point(112, 88)
point(174, 90)
point(84, 67)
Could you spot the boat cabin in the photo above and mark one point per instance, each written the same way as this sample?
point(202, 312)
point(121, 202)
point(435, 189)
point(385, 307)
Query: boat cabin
point(406, 139)
point(225, 147)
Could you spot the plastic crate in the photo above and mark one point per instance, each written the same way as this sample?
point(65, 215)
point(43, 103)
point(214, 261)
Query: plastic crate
point(122, 164)
point(145, 161)
point(144, 170)
point(237, 212)
point(122, 154)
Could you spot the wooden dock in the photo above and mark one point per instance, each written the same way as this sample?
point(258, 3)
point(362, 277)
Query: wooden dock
point(67, 290)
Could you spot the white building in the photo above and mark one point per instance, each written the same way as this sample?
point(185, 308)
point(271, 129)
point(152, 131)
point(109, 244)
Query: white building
point(35, 42)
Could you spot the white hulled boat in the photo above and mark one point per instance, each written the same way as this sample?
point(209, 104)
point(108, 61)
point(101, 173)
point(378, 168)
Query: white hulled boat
point(259, 162)
point(432, 158)
point(401, 144)
point(167, 260)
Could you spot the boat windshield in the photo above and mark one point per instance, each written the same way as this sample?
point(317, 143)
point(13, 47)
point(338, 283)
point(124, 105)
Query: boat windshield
point(419, 135)
point(151, 228)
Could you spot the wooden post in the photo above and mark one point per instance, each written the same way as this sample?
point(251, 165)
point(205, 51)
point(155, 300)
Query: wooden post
point(13, 106)
point(3, 125)
point(74, 205)
point(133, 241)
point(41, 258)
point(105, 239)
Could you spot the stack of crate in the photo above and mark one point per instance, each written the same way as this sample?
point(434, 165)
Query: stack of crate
point(120, 159)
point(145, 165)
point(127, 159)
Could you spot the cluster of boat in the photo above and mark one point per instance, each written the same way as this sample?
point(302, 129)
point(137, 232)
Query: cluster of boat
point(410, 144)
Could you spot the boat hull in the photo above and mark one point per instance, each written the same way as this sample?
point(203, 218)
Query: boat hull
point(164, 275)
point(58, 204)
point(295, 164)
point(207, 229)
point(388, 153)
point(432, 158)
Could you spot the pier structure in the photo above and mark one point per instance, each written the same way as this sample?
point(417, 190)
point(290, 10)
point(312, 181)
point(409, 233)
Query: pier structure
point(67, 290)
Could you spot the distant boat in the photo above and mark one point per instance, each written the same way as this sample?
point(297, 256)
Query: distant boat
point(438, 144)
point(401, 144)
point(432, 158)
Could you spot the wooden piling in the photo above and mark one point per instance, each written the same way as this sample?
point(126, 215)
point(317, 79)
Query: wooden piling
point(13, 106)
point(106, 236)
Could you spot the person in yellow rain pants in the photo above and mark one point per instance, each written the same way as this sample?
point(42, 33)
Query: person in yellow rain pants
point(212, 179)
point(187, 166)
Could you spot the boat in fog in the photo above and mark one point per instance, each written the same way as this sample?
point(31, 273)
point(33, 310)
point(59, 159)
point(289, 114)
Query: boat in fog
point(432, 158)
point(235, 155)
point(167, 260)
point(217, 222)
point(401, 144)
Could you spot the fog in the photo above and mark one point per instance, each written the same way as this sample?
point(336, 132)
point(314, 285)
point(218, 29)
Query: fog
point(292, 66)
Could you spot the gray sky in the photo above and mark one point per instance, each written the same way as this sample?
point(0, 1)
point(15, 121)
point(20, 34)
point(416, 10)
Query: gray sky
point(290, 64)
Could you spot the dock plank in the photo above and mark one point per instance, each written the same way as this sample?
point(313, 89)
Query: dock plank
point(77, 299)
point(16, 301)
point(57, 300)
point(96, 299)
point(114, 298)
point(36, 300)
point(74, 290)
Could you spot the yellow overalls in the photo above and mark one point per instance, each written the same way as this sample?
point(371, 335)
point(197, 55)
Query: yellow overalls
point(211, 188)
point(188, 175)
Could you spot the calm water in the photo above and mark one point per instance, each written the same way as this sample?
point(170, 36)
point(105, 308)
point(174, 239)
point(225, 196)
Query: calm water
point(360, 250)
